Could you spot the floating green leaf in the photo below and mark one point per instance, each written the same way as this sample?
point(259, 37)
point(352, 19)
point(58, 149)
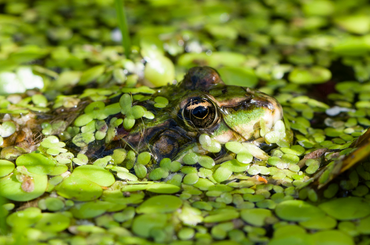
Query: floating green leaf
point(298, 210)
point(6, 167)
point(160, 204)
point(90, 209)
point(311, 75)
point(7, 129)
point(25, 218)
point(256, 216)
point(143, 224)
point(238, 76)
point(91, 74)
point(53, 222)
point(94, 173)
point(36, 163)
point(24, 189)
point(79, 189)
point(347, 208)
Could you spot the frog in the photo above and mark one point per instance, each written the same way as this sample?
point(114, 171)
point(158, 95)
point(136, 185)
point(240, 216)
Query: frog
point(200, 104)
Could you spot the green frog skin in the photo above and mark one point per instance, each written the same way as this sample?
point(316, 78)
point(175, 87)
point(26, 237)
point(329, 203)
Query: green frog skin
point(200, 104)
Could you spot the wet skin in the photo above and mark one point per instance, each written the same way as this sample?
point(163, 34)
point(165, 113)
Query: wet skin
point(199, 104)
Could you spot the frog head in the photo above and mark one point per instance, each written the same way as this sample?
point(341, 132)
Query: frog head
point(202, 104)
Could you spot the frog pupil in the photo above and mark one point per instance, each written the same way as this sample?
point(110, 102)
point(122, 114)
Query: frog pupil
point(200, 112)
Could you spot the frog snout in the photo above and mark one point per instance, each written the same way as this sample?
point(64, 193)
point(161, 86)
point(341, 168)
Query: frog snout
point(273, 110)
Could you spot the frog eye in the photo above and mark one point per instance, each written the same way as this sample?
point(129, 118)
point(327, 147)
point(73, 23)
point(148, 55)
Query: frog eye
point(201, 78)
point(199, 112)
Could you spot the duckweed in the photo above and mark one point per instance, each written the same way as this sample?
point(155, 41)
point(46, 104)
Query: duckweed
point(220, 217)
point(186, 233)
point(160, 102)
point(36, 163)
point(29, 217)
point(95, 174)
point(79, 189)
point(160, 204)
point(255, 216)
point(290, 234)
point(320, 223)
point(7, 128)
point(163, 188)
point(53, 222)
point(53, 203)
point(222, 174)
point(332, 236)
point(141, 171)
point(23, 186)
point(143, 224)
point(208, 144)
point(89, 209)
point(343, 210)
point(6, 167)
point(76, 159)
point(298, 210)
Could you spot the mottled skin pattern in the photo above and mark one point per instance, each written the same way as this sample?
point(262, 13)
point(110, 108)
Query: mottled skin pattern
point(201, 103)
